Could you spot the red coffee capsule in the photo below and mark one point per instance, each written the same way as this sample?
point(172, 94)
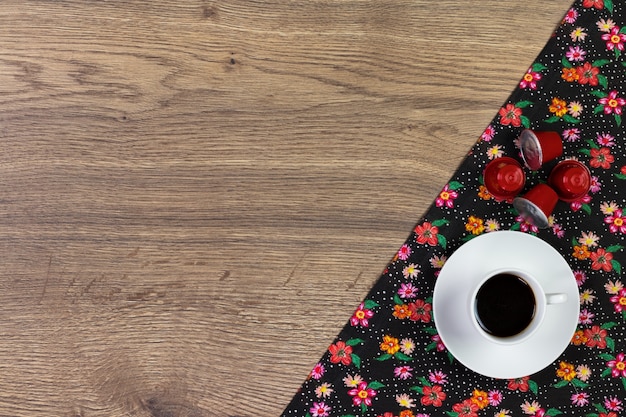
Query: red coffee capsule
point(570, 179)
point(504, 178)
point(539, 147)
point(537, 205)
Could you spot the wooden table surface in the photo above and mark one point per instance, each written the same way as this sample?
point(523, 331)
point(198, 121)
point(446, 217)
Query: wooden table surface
point(194, 196)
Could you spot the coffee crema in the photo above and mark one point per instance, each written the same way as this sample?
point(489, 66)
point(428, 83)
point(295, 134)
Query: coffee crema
point(505, 305)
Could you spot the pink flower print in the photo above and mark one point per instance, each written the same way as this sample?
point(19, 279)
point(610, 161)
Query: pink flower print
point(571, 135)
point(585, 316)
point(571, 16)
point(612, 404)
point(437, 339)
point(580, 276)
point(558, 230)
point(362, 395)
point(407, 290)
point(580, 399)
point(403, 372)
point(596, 185)
point(446, 197)
point(319, 410)
point(616, 222)
point(525, 226)
point(576, 54)
point(578, 204)
point(614, 39)
point(318, 371)
point(530, 79)
point(495, 397)
point(438, 377)
point(612, 103)
point(361, 316)
point(488, 134)
point(605, 139)
point(404, 252)
point(617, 366)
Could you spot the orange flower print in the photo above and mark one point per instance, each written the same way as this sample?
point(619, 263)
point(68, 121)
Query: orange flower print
point(480, 398)
point(581, 252)
point(390, 345)
point(566, 371)
point(475, 225)
point(401, 311)
point(579, 338)
point(558, 107)
point(570, 74)
point(483, 193)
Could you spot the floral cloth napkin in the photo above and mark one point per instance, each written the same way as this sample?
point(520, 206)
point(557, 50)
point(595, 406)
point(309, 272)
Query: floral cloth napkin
point(389, 360)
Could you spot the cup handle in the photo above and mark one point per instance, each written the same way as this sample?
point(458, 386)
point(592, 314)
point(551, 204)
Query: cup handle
point(556, 298)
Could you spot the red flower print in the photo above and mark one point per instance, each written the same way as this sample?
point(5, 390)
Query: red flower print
point(598, 4)
point(596, 337)
point(614, 39)
point(601, 158)
point(340, 353)
point(361, 316)
point(467, 408)
point(601, 259)
point(420, 311)
point(616, 222)
point(618, 366)
point(427, 233)
point(610, 414)
point(433, 395)
point(530, 79)
point(619, 301)
point(519, 384)
point(510, 115)
point(446, 197)
point(362, 395)
point(588, 74)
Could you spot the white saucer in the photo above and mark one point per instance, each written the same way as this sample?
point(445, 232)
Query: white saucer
point(464, 270)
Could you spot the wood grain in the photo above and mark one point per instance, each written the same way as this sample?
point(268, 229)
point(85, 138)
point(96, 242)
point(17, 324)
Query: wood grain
point(195, 195)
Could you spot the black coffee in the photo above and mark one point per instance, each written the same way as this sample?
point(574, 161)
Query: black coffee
point(505, 305)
